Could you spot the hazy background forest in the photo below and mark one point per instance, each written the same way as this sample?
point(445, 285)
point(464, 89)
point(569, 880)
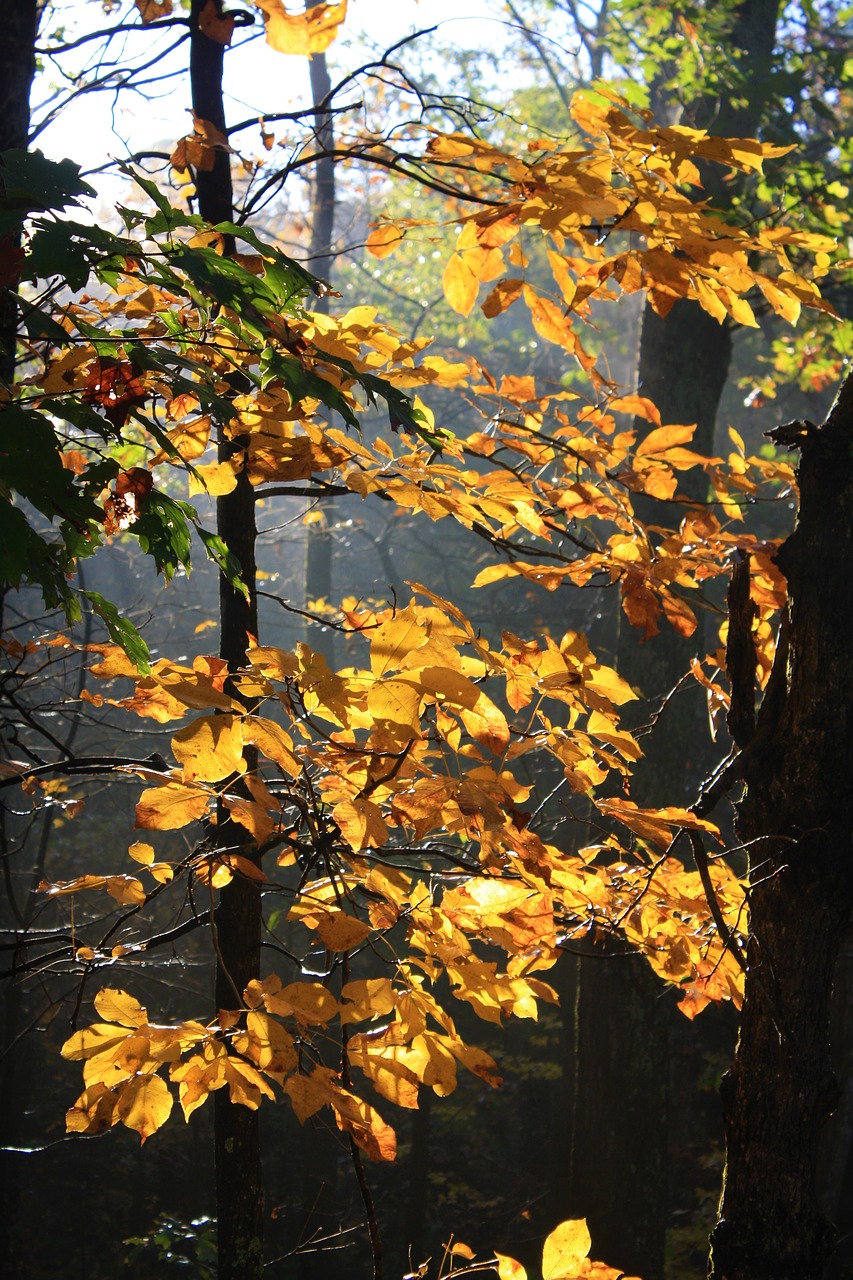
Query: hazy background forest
point(609, 1107)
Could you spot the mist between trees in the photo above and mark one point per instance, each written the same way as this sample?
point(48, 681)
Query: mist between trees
point(425, 654)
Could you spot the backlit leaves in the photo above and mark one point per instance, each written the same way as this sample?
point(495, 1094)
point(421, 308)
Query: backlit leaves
point(311, 31)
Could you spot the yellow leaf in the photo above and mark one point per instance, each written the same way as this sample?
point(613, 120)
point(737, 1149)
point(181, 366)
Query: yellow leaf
point(141, 852)
point(215, 478)
point(301, 33)
point(361, 823)
point(785, 304)
point(93, 1112)
point(144, 1104)
point(384, 239)
point(245, 1085)
point(170, 807)
point(61, 887)
point(655, 825)
point(309, 1093)
point(565, 1250)
point(267, 1044)
point(639, 406)
point(115, 1005)
point(509, 1269)
point(251, 815)
point(125, 889)
point(340, 931)
point(365, 1125)
point(275, 744)
point(663, 438)
point(308, 1002)
point(211, 748)
point(366, 998)
point(395, 704)
point(461, 286)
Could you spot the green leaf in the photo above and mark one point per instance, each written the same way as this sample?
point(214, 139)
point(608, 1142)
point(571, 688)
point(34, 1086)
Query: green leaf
point(26, 557)
point(121, 632)
point(31, 183)
point(300, 382)
point(228, 564)
point(163, 533)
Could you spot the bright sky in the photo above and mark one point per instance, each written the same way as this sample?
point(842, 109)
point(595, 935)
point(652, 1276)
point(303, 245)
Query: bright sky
point(256, 76)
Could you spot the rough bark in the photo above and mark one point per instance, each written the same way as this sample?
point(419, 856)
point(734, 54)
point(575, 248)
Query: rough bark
point(238, 919)
point(796, 819)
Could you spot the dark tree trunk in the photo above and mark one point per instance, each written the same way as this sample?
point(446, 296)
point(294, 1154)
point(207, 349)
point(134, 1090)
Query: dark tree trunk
point(19, 21)
point(683, 365)
point(684, 357)
point(796, 819)
point(239, 1179)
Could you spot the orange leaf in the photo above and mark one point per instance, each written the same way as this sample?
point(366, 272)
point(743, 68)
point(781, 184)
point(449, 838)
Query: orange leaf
point(502, 296)
point(384, 239)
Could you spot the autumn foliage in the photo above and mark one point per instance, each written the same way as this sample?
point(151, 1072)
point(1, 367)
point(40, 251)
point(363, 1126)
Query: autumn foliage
point(390, 801)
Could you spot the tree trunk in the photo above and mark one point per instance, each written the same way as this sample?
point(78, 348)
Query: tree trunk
point(319, 543)
point(239, 1179)
point(19, 20)
point(683, 366)
point(796, 819)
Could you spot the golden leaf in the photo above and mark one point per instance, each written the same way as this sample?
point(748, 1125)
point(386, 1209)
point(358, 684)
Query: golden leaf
point(340, 931)
point(211, 748)
point(308, 1002)
point(366, 998)
point(309, 1093)
point(361, 823)
point(509, 1269)
point(93, 1112)
point(365, 1125)
point(125, 889)
point(169, 807)
point(272, 740)
point(251, 815)
point(301, 33)
point(144, 1104)
point(215, 478)
point(115, 1005)
point(461, 286)
point(565, 1250)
